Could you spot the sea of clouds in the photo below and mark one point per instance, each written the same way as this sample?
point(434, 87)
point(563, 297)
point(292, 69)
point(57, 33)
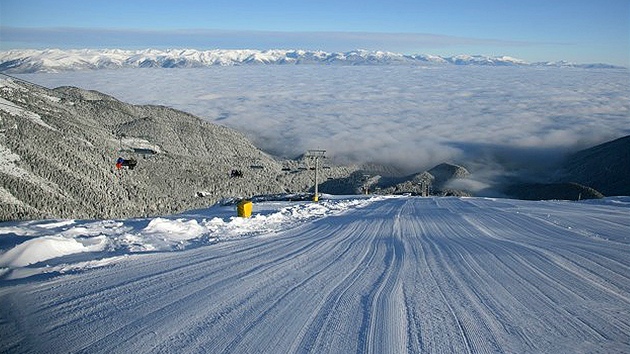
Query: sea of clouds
point(408, 117)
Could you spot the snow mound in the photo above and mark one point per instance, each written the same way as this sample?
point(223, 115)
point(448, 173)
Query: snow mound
point(44, 248)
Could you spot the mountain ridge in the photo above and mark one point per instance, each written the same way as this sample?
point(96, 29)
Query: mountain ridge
point(604, 167)
point(57, 60)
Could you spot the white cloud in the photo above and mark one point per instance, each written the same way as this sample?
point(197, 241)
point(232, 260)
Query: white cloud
point(413, 117)
point(73, 37)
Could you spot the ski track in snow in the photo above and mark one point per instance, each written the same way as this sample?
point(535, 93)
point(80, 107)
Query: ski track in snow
point(416, 275)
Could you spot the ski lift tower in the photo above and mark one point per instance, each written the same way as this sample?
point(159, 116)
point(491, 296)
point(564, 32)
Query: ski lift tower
point(316, 154)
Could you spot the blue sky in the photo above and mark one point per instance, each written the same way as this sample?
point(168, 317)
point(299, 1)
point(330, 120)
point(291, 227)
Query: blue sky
point(534, 30)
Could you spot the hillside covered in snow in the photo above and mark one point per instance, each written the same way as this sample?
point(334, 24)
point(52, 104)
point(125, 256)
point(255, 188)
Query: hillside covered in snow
point(346, 275)
point(54, 60)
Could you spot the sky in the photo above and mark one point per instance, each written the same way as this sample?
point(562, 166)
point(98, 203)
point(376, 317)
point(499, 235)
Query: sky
point(581, 31)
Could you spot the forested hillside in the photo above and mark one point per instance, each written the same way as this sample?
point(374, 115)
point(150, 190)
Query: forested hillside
point(59, 148)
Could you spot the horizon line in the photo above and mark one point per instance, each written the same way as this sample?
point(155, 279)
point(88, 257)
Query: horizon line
point(140, 49)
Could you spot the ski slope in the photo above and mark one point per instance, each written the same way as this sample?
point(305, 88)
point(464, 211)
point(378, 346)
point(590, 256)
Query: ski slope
point(378, 275)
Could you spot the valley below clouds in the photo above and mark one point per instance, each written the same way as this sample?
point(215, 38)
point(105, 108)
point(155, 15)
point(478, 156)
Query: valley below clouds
point(407, 117)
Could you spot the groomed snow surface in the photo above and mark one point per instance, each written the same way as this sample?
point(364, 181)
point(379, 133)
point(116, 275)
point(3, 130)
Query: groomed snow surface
point(346, 275)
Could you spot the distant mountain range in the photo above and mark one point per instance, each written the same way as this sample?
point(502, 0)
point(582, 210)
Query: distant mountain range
point(55, 60)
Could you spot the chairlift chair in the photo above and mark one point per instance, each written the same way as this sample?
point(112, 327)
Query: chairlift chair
point(129, 163)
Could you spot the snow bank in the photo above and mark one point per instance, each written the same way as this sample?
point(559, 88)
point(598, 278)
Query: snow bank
point(44, 248)
point(179, 229)
point(20, 273)
point(30, 244)
point(282, 219)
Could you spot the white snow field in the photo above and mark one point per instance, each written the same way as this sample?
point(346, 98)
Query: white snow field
point(346, 275)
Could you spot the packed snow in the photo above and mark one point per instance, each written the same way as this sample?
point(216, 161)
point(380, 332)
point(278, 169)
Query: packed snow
point(345, 275)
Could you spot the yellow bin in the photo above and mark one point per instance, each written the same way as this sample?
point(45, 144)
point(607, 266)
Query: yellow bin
point(244, 208)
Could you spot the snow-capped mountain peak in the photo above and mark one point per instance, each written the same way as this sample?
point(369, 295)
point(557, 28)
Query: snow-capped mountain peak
point(54, 60)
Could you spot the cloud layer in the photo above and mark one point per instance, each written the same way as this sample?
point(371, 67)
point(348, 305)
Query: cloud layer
point(410, 117)
point(71, 37)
